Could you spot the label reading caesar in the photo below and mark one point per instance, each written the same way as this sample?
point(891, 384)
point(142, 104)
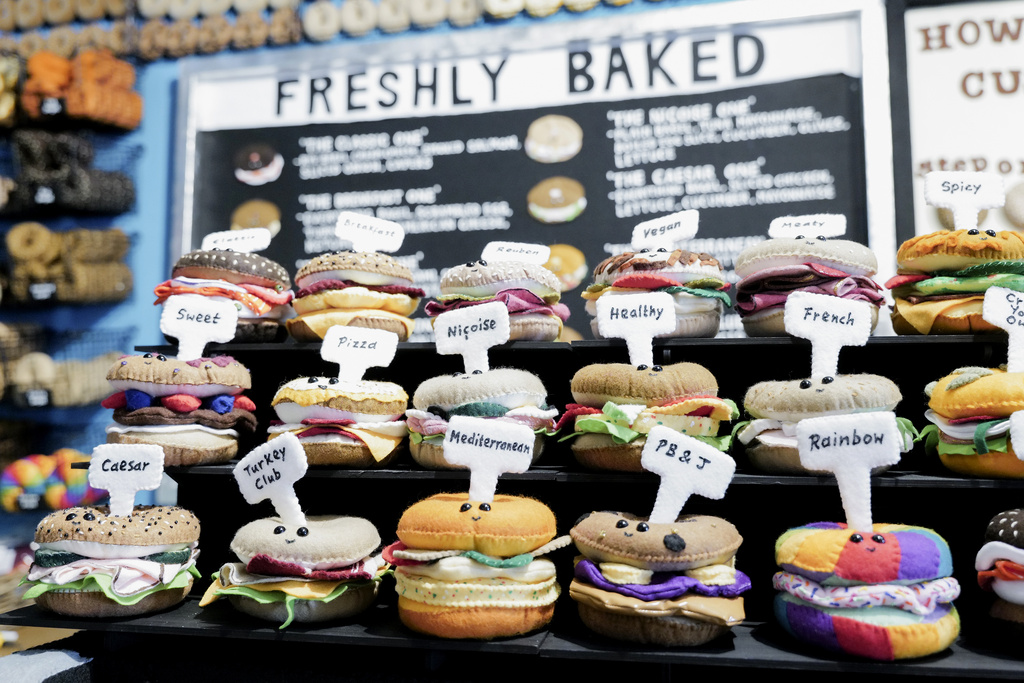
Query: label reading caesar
point(366, 233)
point(269, 472)
point(471, 331)
point(686, 467)
point(123, 469)
point(811, 226)
point(667, 231)
point(850, 447)
point(355, 349)
point(1004, 308)
point(516, 251)
point(965, 193)
point(488, 448)
point(247, 240)
point(196, 321)
point(637, 318)
point(829, 323)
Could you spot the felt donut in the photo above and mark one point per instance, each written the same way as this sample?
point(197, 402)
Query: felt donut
point(119, 38)
point(62, 41)
point(504, 9)
point(463, 13)
point(152, 38)
point(183, 9)
point(28, 14)
point(243, 6)
point(285, 27)
point(182, 38)
point(543, 8)
point(34, 370)
point(215, 33)
point(92, 37)
point(57, 12)
point(8, 15)
point(427, 13)
point(358, 17)
point(211, 8)
point(393, 15)
point(30, 44)
point(32, 242)
point(116, 8)
point(90, 10)
point(250, 31)
point(321, 21)
point(152, 9)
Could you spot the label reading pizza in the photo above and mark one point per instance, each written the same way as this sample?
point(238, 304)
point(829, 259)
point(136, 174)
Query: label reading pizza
point(269, 472)
point(367, 233)
point(355, 349)
point(811, 226)
point(686, 466)
point(488, 448)
point(247, 240)
point(197, 321)
point(668, 231)
point(123, 469)
point(471, 331)
point(516, 251)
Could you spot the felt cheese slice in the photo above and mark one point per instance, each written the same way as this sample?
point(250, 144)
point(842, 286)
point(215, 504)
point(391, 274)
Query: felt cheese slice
point(355, 298)
point(321, 321)
point(380, 438)
point(922, 316)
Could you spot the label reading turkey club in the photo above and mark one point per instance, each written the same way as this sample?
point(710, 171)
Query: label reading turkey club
point(247, 240)
point(811, 226)
point(123, 470)
point(367, 233)
point(355, 349)
point(196, 321)
point(686, 466)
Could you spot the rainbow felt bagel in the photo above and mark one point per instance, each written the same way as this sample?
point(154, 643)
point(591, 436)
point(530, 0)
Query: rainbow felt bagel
point(885, 595)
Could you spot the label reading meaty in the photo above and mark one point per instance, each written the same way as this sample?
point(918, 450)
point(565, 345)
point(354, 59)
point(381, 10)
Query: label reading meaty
point(125, 469)
point(815, 225)
point(686, 467)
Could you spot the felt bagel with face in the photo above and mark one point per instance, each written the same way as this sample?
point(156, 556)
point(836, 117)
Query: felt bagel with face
point(942, 278)
point(616, 405)
point(671, 584)
point(325, 569)
point(1000, 567)
point(882, 595)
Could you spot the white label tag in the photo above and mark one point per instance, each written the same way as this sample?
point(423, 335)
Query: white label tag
point(367, 233)
point(488, 448)
point(270, 471)
point(1004, 308)
point(1017, 433)
point(124, 469)
point(686, 466)
point(247, 240)
point(516, 251)
point(637, 318)
point(667, 231)
point(196, 321)
point(965, 193)
point(850, 446)
point(829, 323)
point(355, 349)
point(471, 331)
point(809, 225)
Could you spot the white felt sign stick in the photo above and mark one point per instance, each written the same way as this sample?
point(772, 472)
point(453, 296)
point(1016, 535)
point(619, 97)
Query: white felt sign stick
point(637, 318)
point(965, 193)
point(488, 448)
point(686, 466)
point(808, 225)
point(124, 469)
point(1017, 433)
point(668, 231)
point(1004, 308)
point(247, 240)
point(516, 251)
point(367, 233)
point(471, 331)
point(850, 447)
point(355, 349)
point(830, 323)
point(270, 472)
point(196, 321)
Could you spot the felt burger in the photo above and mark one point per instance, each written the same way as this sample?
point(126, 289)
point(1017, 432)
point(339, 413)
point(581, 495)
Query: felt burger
point(349, 423)
point(618, 404)
point(942, 278)
point(357, 288)
point(694, 280)
point(530, 291)
point(328, 568)
point(883, 595)
point(467, 569)
point(259, 288)
point(504, 394)
point(89, 563)
point(671, 584)
point(192, 409)
point(1000, 567)
point(775, 268)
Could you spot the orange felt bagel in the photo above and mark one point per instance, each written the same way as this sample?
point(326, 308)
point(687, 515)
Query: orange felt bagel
point(989, 392)
point(956, 249)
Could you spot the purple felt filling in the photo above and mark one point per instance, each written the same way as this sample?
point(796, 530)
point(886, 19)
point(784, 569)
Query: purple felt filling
point(817, 577)
point(663, 586)
point(811, 625)
point(919, 558)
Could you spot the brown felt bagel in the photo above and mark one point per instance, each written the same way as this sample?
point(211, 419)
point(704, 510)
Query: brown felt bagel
point(594, 385)
point(97, 605)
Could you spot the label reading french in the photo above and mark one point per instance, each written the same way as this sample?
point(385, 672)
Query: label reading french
point(667, 231)
point(355, 349)
point(247, 240)
point(270, 470)
point(820, 317)
point(516, 251)
point(125, 469)
point(815, 225)
point(687, 466)
point(367, 233)
point(196, 321)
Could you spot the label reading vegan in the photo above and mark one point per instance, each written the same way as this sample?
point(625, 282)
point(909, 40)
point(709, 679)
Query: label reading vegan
point(637, 318)
point(471, 331)
point(247, 240)
point(965, 193)
point(516, 251)
point(123, 470)
point(196, 321)
point(809, 225)
point(355, 349)
point(269, 472)
point(667, 231)
point(829, 323)
point(1004, 308)
point(367, 233)
point(488, 448)
point(686, 467)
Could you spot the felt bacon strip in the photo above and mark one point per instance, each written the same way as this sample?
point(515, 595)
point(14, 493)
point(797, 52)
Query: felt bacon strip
point(259, 300)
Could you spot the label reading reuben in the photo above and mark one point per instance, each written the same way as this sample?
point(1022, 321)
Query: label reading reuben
point(270, 471)
point(829, 323)
point(247, 240)
point(1004, 308)
point(123, 470)
point(355, 349)
point(667, 231)
point(471, 331)
point(516, 251)
point(196, 321)
point(686, 466)
point(808, 225)
point(488, 448)
point(367, 233)
point(637, 318)
point(965, 193)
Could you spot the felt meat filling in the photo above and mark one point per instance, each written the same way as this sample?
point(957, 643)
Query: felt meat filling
point(919, 598)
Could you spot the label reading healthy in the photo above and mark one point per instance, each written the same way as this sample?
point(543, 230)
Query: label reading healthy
point(811, 226)
point(367, 233)
point(123, 470)
point(516, 251)
point(471, 331)
point(686, 467)
point(637, 318)
point(667, 231)
point(245, 240)
point(355, 349)
point(829, 323)
point(488, 448)
point(965, 193)
point(196, 321)
point(269, 472)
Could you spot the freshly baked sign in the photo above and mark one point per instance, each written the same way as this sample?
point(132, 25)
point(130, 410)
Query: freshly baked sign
point(488, 449)
point(965, 193)
point(355, 349)
point(668, 231)
point(637, 318)
point(122, 470)
point(686, 467)
point(810, 225)
point(196, 321)
point(247, 240)
point(269, 472)
point(830, 323)
point(470, 332)
point(366, 233)
point(516, 251)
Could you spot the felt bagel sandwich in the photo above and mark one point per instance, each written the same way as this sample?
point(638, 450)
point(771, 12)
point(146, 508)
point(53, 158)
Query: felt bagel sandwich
point(1000, 567)
point(616, 405)
point(882, 595)
point(671, 584)
point(90, 563)
point(328, 568)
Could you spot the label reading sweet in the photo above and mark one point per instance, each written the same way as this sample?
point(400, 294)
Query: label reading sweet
point(1004, 308)
point(197, 321)
point(1017, 433)
point(965, 193)
point(246, 240)
point(516, 251)
point(686, 467)
point(269, 472)
point(471, 331)
point(367, 233)
point(488, 448)
point(667, 231)
point(124, 469)
point(637, 318)
point(850, 447)
point(811, 226)
point(829, 323)
point(355, 349)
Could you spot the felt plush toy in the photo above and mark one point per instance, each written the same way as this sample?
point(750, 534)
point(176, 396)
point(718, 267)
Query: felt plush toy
point(1000, 566)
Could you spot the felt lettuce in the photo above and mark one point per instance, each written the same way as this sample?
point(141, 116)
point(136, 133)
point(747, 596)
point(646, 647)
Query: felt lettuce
point(616, 422)
point(101, 582)
point(980, 446)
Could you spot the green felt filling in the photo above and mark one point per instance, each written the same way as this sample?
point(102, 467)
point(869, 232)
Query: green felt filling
point(480, 409)
point(603, 424)
point(963, 285)
point(933, 444)
point(995, 267)
point(487, 560)
point(101, 582)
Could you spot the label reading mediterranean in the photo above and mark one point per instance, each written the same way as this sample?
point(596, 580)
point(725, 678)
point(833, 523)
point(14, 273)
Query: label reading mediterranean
point(829, 323)
point(965, 193)
point(355, 349)
point(516, 251)
point(367, 233)
point(269, 472)
point(125, 469)
point(247, 240)
point(1004, 308)
point(810, 226)
point(637, 318)
point(197, 321)
point(686, 467)
point(667, 231)
point(471, 331)
point(488, 448)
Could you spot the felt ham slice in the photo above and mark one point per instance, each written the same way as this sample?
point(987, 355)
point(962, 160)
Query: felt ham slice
point(769, 288)
point(518, 302)
point(264, 564)
point(323, 285)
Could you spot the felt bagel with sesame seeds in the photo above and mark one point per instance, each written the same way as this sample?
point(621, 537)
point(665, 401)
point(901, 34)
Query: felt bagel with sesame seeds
point(90, 563)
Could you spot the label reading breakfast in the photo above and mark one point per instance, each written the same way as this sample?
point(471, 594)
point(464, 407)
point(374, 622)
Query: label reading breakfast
point(829, 323)
point(516, 251)
point(125, 469)
point(471, 331)
point(667, 231)
point(1004, 308)
point(355, 349)
point(637, 318)
point(686, 466)
point(269, 472)
point(488, 448)
point(366, 233)
point(196, 321)
point(965, 193)
point(809, 226)
point(247, 240)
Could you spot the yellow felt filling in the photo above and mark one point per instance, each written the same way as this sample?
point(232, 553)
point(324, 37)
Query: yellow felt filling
point(379, 445)
point(321, 321)
point(356, 298)
point(476, 593)
point(304, 590)
point(921, 316)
